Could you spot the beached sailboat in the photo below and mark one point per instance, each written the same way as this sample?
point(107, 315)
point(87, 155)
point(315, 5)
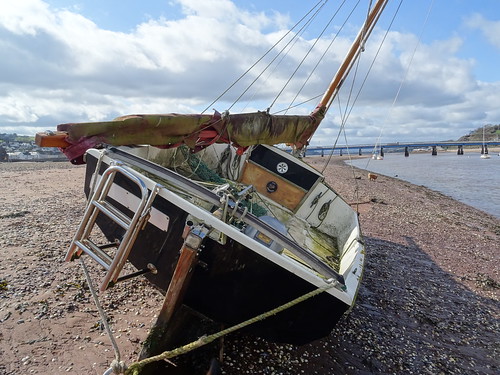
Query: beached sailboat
point(225, 224)
point(378, 150)
point(484, 149)
point(378, 155)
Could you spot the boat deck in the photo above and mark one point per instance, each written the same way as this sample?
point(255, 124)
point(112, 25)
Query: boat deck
point(324, 246)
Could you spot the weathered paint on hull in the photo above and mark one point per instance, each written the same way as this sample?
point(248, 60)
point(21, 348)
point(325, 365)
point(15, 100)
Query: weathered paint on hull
point(231, 283)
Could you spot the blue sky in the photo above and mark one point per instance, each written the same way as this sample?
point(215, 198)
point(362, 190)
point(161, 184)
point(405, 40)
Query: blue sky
point(81, 60)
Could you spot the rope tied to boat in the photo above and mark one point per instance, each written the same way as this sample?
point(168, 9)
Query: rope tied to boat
point(117, 366)
point(134, 368)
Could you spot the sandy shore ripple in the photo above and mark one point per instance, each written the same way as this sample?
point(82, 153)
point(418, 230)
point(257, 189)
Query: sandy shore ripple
point(429, 302)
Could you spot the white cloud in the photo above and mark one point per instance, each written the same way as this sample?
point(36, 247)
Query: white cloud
point(490, 29)
point(63, 67)
point(25, 16)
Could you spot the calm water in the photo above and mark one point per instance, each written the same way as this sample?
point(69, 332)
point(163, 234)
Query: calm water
point(466, 178)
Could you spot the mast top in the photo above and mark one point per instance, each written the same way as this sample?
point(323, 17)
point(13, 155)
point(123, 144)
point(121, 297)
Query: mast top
point(356, 48)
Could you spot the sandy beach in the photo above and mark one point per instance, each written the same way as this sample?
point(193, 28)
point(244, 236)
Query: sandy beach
point(429, 301)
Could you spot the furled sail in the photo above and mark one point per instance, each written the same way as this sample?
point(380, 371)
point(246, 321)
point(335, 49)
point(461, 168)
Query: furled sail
point(194, 130)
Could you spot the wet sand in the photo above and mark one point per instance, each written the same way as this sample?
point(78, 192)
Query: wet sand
point(429, 301)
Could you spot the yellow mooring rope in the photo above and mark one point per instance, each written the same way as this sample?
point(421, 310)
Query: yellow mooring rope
point(134, 368)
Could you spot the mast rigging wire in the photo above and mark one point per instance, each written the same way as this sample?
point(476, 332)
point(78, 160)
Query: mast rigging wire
point(290, 106)
point(290, 46)
point(294, 40)
point(348, 111)
point(403, 80)
point(307, 54)
point(262, 57)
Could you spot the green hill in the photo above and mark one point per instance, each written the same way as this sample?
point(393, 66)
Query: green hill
point(491, 133)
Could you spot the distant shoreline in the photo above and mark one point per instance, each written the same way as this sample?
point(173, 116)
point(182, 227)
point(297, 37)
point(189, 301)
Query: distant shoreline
point(493, 151)
point(451, 191)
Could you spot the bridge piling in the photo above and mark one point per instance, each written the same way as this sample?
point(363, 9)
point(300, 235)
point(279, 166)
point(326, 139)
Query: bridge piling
point(431, 145)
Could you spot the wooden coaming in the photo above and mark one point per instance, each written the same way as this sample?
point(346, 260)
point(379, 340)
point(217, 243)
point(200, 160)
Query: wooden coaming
point(286, 194)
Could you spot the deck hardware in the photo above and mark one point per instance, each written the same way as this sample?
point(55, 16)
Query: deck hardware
point(247, 190)
point(316, 199)
point(323, 211)
point(282, 167)
point(271, 186)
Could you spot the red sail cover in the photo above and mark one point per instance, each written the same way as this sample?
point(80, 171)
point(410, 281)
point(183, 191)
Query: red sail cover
point(194, 130)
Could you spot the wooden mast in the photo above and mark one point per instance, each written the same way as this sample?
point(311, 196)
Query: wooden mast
point(344, 69)
point(356, 48)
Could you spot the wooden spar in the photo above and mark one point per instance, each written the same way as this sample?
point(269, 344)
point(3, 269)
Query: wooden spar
point(344, 69)
point(52, 139)
point(188, 259)
point(354, 51)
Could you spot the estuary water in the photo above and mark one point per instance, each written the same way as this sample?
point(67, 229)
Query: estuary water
point(466, 178)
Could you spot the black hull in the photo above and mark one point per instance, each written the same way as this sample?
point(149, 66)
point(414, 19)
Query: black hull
point(231, 283)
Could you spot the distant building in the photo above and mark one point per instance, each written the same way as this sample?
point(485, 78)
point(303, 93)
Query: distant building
point(21, 156)
point(34, 156)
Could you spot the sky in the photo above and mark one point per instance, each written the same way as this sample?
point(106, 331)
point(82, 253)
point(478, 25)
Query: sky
point(93, 60)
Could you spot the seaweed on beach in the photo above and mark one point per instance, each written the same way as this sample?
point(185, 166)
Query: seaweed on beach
point(14, 215)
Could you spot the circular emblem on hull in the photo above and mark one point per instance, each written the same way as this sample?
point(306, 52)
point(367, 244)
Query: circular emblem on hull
point(282, 167)
point(271, 187)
